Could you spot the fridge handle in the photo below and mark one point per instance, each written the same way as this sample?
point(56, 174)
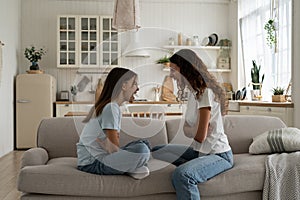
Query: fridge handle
point(23, 101)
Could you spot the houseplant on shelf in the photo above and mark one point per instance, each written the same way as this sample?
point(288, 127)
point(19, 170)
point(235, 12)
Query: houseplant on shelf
point(256, 82)
point(34, 55)
point(278, 94)
point(164, 61)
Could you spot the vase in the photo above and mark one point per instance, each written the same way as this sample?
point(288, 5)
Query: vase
point(34, 66)
point(255, 95)
point(74, 97)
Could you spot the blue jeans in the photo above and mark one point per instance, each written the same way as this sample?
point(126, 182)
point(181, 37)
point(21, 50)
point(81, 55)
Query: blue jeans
point(130, 157)
point(193, 167)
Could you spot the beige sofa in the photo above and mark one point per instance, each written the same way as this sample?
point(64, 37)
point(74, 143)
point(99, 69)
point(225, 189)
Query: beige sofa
point(49, 171)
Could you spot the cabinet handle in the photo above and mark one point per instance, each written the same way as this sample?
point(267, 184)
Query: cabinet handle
point(247, 108)
point(23, 101)
point(66, 105)
point(269, 109)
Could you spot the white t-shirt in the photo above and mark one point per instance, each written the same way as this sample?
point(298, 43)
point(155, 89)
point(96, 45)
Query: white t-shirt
point(216, 140)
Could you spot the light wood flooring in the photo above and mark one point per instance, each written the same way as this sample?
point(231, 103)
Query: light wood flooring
point(9, 169)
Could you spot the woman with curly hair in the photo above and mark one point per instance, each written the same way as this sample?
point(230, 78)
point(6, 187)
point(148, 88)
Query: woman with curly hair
point(209, 153)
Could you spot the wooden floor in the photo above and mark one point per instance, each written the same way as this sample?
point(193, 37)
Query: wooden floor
point(9, 169)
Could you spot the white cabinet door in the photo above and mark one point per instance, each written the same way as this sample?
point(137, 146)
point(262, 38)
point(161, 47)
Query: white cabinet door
point(285, 114)
point(110, 49)
point(67, 41)
point(89, 40)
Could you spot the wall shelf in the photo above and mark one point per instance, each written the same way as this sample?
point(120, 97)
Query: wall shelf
point(210, 70)
point(193, 47)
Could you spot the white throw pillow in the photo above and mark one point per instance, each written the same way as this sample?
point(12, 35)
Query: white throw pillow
point(276, 141)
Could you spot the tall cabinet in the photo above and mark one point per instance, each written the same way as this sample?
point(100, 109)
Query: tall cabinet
point(87, 42)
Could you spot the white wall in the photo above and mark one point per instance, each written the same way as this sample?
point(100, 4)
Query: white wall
point(296, 63)
point(193, 17)
point(10, 36)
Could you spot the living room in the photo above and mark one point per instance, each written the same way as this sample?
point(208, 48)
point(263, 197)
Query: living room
point(34, 22)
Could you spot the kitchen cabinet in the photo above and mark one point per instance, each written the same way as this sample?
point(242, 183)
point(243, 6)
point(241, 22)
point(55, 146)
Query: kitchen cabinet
point(110, 43)
point(62, 108)
point(67, 41)
point(209, 55)
point(87, 41)
point(283, 111)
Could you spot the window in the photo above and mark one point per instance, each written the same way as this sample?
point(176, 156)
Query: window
point(253, 15)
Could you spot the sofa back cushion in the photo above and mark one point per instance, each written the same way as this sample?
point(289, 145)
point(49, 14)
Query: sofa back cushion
point(241, 129)
point(59, 135)
point(153, 130)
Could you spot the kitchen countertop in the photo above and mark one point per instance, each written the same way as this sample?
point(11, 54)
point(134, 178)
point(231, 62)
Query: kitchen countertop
point(135, 114)
point(262, 103)
point(74, 102)
point(135, 102)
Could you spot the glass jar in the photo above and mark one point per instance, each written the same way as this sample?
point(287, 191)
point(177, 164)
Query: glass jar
point(195, 40)
point(171, 41)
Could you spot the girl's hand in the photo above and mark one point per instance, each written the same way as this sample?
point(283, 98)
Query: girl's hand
point(111, 142)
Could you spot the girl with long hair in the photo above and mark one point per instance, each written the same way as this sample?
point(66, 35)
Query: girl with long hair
point(209, 153)
point(98, 148)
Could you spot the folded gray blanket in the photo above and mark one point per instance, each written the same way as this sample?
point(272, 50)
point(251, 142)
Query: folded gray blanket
point(282, 180)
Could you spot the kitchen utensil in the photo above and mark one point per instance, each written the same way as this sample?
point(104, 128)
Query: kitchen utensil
point(238, 95)
point(244, 93)
point(83, 83)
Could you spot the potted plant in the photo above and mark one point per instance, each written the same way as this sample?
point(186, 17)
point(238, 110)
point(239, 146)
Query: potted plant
point(164, 60)
point(278, 94)
point(270, 27)
point(256, 81)
point(34, 55)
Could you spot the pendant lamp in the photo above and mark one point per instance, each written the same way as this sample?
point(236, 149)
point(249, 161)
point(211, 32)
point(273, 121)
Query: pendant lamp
point(126, 15)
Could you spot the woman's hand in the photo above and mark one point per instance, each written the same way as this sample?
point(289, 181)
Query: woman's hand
point(203, 124)
point(111, 143)
point(189, 131)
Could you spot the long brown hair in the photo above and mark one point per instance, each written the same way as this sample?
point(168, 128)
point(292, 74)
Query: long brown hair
point(111, 89)
point(196, 74)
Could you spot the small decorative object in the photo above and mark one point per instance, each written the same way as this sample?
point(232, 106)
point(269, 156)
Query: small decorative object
point(179, 42)
point(278, 94)
point(171, 41)
point(74, 91)
point(256, 83)
point(164, 60)
point(34, 55)
point(195, 40)
point(270, 27)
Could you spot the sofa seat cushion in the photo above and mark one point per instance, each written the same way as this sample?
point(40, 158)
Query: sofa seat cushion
point(247, 175)
point(61, 177)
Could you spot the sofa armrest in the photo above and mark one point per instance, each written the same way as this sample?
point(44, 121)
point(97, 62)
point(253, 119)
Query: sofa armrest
point(34, 156)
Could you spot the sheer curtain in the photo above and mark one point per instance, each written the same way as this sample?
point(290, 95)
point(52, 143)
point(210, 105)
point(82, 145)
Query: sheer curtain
point(253, 15)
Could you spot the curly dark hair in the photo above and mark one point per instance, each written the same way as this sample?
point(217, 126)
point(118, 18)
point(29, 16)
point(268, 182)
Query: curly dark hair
point(197, 76)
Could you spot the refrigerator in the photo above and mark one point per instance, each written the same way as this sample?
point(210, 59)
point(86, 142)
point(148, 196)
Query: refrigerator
point(35, 97)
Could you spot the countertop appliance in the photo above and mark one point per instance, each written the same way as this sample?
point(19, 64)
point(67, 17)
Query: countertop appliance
point(35, 96)
point(64, 95)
